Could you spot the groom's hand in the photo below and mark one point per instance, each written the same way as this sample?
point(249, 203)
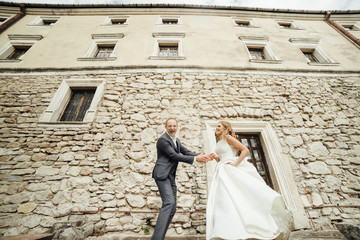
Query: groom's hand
point(202, 158)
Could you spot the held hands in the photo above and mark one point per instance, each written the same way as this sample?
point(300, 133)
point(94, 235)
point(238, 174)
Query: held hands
point(202, 158)
point(205, 158)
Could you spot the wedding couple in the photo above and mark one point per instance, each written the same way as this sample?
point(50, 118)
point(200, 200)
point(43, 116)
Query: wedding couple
point(240, 204)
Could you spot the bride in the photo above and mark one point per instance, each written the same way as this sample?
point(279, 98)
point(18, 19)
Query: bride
point(240, 204)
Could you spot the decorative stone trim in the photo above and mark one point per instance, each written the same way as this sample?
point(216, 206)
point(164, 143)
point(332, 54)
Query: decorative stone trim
point(25, 37)
point(107, 36)
point(355, 25)
point(251, 23)
point(17, 40)
point(167, 38)
point(260, 42)
point(254, 38)
point(39, 21)
point(168, 34)
point(304, 40)
point(293, 25)
point(58, 102)
point(101, 39)
point(108, 21)
point(161, 18)
point(312, 44)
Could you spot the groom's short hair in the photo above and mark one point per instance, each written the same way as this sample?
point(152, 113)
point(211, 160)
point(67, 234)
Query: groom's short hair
point(171, 118)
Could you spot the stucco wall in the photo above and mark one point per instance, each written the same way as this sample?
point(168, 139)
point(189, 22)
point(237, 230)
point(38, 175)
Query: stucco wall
point(211, 39)
point(48, 170)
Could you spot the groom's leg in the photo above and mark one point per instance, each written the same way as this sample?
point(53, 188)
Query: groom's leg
point(167, 209)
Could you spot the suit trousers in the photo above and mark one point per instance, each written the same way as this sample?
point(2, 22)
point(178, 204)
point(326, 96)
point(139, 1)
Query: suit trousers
point(167, 189)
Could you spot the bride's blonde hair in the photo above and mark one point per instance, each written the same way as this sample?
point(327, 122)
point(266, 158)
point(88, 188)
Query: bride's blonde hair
point(228, 131)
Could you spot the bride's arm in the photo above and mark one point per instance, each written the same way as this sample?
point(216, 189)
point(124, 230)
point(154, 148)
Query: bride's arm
point(238, 146)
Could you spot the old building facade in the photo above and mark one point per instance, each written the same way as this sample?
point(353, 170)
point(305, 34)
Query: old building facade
point(85, 92)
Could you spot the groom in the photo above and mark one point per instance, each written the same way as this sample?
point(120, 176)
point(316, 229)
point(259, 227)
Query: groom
point(169, 152)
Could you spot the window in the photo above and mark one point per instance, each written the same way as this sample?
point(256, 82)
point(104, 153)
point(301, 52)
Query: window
point(44, 21)
point(168, 46)
point(244, 23)
point(79, 102)
point(168, 50)
point(310, 56)
point(49, 21)
point(2, 20)
point(313, 53)
point(169, 20)
point(104, 51)
point(18, 52)
point(102, 48)
point(17, 47)
point(289, 25)
point(75, 101)
point(257, 53)
point(256, 155)
point(351, 26)
point(259, 50)
point(116, 21)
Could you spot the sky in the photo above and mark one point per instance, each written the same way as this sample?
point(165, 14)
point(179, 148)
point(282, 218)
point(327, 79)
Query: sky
point(277, 4)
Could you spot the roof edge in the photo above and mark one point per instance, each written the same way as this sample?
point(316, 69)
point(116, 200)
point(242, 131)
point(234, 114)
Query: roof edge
point(168, 5)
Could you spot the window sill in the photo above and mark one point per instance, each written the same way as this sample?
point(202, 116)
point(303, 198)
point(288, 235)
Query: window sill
point(114, 25)
point(96, 59)
point(323, 64)
point(237, 26)
point(64, 124)
point(10, 60)
point(166, 58)
point(265, 61)
point(292, 28)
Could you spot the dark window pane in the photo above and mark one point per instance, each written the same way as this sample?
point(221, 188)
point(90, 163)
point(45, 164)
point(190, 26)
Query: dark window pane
point(78, 104)
point(49, 22)
point(170, 21)
point(243, 23)
point(310, 56)
point(256, 155)
point(104, 52)
point(257, 53)
point(285, 25)
point(17, 53)
point(168, 51)
point(118, 21)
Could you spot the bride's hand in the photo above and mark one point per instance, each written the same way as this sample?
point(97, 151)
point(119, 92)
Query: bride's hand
point(231, 163)
point(213, 156)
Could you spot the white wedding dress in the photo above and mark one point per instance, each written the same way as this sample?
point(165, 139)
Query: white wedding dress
point(240, 204)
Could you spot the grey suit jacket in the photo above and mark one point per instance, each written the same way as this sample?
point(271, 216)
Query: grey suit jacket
point(168, 157)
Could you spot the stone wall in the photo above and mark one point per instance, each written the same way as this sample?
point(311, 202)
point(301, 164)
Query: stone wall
point(48, 171)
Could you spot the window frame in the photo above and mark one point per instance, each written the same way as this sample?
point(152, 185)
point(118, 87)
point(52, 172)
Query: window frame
point(57, 104)
point(167, 39)
point(312, 45)
point(160, 20)
point(18, 40)
point(5, 17)
point(260, 42)
point(251, 22)
point(73, 90)
point(355, 25)
point(102, 40)
point(39, 21)
point(279, 167)
point(292, 25)
point(108, 21)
